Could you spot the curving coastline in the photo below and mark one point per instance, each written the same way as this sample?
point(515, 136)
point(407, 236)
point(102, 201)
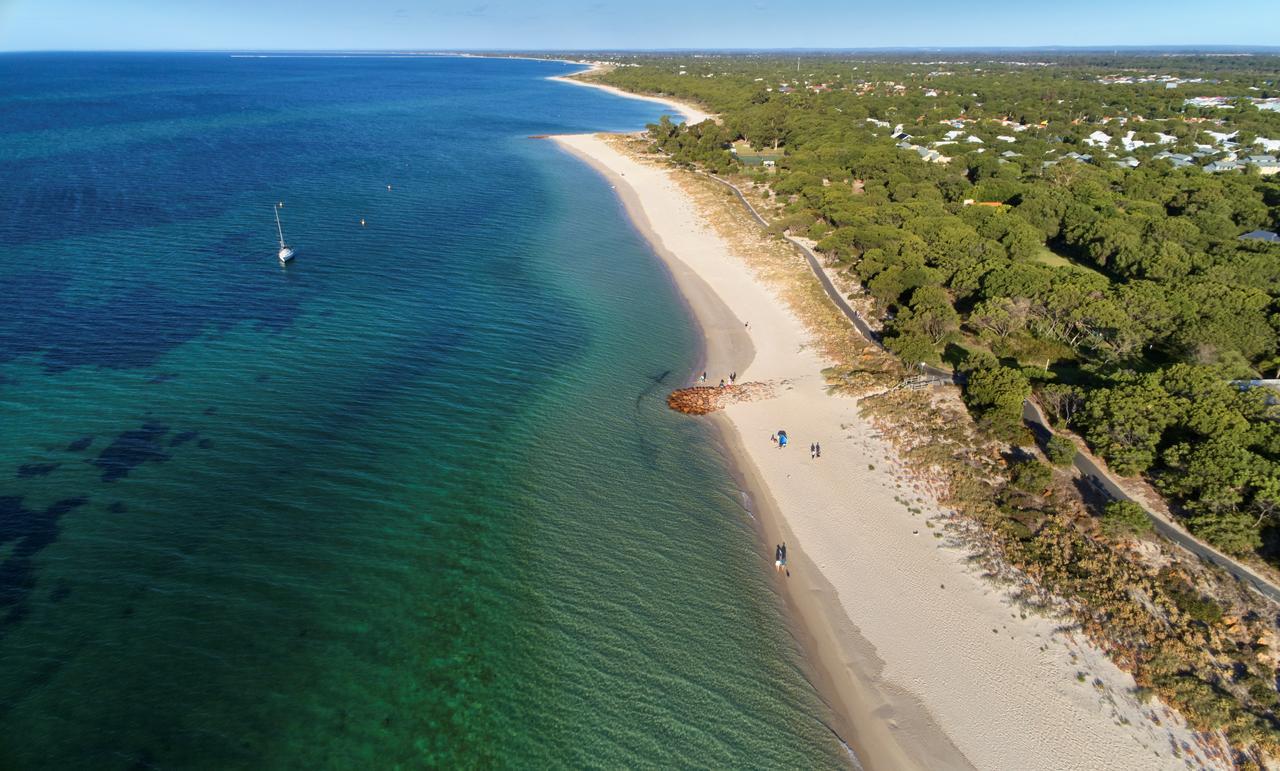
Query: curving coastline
point(689, 112)
point(924, 663)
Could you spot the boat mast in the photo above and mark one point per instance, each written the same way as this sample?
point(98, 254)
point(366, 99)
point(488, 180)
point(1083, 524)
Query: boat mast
point(279, 229)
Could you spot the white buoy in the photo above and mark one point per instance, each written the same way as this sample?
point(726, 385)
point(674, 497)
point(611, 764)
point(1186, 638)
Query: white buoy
point(362, 222)
point(388, 187)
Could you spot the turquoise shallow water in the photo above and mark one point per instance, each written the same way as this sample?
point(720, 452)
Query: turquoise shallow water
point(415, 500)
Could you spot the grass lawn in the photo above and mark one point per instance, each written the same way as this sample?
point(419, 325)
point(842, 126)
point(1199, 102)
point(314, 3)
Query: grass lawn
point(1048, 257)
point(753, 157)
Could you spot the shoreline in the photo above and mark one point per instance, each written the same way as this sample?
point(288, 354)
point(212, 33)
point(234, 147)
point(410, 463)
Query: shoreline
point(807, 598)
point(896, 624)
point(691, 113)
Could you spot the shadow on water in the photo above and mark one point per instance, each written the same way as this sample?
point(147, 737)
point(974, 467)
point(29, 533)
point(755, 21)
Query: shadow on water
point(32, 531)
point(28, 470)
point(182, 438)
point(46, 319)
point(81, 444)
point(648, 449)
point(131, 449)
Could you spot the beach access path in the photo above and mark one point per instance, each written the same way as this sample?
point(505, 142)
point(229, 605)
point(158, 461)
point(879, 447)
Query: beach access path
point(930, 663)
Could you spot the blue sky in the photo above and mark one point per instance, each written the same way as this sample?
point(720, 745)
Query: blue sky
point(583, 24)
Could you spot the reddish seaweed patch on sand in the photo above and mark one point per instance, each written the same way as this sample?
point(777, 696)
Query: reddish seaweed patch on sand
point(702, 400)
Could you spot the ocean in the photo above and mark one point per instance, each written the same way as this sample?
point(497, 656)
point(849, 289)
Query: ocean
point(414, 500)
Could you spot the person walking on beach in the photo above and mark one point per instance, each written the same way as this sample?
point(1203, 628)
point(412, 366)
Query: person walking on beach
point(777, 559)
point(703, 378)
point(817, 449)
point(813, 450)
point(782, 557)
point(732, 377)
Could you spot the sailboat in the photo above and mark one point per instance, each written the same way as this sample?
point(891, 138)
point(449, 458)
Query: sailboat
point(286, 253)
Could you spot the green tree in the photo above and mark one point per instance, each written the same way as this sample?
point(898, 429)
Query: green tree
point(1234, 532)
point(1060, 451)
point(1126, 423)
point(1121, 518)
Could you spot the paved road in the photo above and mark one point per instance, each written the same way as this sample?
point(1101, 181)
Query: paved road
point(1035, 418)
point(1106, 483)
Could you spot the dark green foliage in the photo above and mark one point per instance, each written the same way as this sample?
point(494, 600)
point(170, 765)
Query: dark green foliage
point(1125, 518)
point(996, 388)
point(1190, 601)
point(1060, 451)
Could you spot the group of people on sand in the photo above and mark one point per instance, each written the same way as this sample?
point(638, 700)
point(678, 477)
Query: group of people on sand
point(781, 439)
point(732, 377)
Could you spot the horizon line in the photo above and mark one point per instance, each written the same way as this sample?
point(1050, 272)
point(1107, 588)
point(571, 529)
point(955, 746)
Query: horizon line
point(1046, 48)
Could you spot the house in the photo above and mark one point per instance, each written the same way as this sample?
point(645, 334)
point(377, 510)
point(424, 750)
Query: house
point(1268, 236)
point(1177, 159)
point(971, 139)
point(1268, 145)
point(1129, 162)
point(1130, 143)
point(1098, 139)
point(953, 134)
point(1220, 137)
point(1010, 154)
point(1073, 155)
point(1165, 139)
point(932, 156)
point(1267, 164)
point(1226, 164)
point(880, 123)
point(1004, 138)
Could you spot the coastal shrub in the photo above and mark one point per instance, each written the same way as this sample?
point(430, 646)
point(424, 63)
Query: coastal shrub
point(1031, 477)
point(1188, 600)
point(1264, 694)
point(1121, 518)
point(1060, 451)
point(1004, 426)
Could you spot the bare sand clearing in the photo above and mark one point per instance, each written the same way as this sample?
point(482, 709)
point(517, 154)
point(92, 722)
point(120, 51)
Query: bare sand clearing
point(926, 663)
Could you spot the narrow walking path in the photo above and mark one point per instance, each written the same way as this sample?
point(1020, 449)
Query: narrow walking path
point(1086, 464)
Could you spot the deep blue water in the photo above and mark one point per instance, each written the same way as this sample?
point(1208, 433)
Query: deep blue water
point(414, 500)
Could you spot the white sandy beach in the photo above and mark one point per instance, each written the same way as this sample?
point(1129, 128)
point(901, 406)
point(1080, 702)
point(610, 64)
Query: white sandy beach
point(690, 113)
point(929, 664)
